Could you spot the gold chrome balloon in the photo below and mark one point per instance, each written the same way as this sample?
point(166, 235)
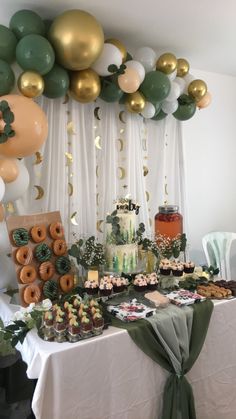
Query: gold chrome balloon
point(166, 63)
point(135, 102)
point(197, 89)
point(119, 45)
point(85, 85)
point(30, 84)
point(77, 38)
point(182, 67)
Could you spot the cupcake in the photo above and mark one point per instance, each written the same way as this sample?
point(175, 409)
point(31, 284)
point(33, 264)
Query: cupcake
point(177, 268)
point(91, 287)
point(140, 283)
point(119, 284)
point(59, 324)
point(152, 281)
point(189, 267)
point(105, 288)
point(165, 267)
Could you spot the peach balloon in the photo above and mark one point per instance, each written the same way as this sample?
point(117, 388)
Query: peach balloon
point(1, 213)
point(30, 126)
point(8, 170)
point(129, 82)
point(205, 101)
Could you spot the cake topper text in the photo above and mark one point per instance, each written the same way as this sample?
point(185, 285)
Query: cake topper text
point(126, 204)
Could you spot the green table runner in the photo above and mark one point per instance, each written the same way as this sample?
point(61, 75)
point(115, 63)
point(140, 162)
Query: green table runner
point(178, 401)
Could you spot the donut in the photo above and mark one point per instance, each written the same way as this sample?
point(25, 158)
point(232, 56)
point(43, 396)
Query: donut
point(38, 233)
point(63, 265)
point(56, 230)
point(24, 255)
point(66, 282)
point(32, 294)
point(20, 237)
point(43, 252)
point(46, 271)
point(27, 274)
point(59, 247)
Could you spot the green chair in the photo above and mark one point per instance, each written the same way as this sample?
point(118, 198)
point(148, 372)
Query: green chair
point(217, 248)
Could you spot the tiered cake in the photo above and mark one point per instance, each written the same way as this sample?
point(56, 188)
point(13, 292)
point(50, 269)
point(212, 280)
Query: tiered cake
point(121, 248)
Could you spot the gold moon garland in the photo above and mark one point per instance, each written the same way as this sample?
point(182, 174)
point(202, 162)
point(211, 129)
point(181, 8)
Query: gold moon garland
point(40, 191)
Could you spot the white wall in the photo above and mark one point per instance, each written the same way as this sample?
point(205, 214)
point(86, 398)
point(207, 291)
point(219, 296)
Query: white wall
point(210, 156)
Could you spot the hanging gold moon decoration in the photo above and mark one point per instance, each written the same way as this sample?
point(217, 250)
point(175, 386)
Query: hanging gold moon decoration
point(70, 128)
point(70, 189)
point(96, 113)
point(145, 170)
point(72, 219)
point(121, 116)
point(38, 158)
point(121, 172)
point(97, 199)
point(147, 196)
point(97, 142)
point(144, 144)
point(99, 223)
point(166, 191)
point(69, 158)
point(120, 144)
point(97, 171)
point(10, 208)
point(40, 191)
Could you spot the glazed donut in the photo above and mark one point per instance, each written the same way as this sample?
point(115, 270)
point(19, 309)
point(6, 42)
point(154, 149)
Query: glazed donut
point(43, 252)
point(56, 231)
point(27, 274)
point(46, 271)
point(38, 233)
point(32, 294)
point(66, 282)
point(63, 265)
point(20, 237)
point(24, 255)
point(59, 247)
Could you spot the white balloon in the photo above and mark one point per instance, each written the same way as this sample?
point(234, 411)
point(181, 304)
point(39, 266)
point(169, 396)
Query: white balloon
point(5, 245)
point(169, 107)
point(181, 82)
point(7, 273)
point(188, 78)
point(110, 55)
point(172, 75)
point(174, 92)
point(2, 189)
point(18, 187)
point(147, 57)
point(149, 110)
point(138, 67)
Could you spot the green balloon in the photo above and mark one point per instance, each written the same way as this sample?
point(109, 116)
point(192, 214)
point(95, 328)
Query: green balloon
point(26, 22)
point(8, 43)
point(33, 52)
point(110, 92)
point(159, 115)
point(155, 87)
point(186, 108)
point(56, 82)
point(123, 99)
point(47, 23)
point(7, 78)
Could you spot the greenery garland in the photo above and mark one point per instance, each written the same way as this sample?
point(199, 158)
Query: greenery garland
point(8, 117)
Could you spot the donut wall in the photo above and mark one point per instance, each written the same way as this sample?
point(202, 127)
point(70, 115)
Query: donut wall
point(39, 252)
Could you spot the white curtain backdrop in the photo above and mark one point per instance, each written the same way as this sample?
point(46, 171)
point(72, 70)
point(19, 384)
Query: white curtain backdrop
point(96, 153)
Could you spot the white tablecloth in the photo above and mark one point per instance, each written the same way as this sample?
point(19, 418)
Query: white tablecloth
point(109, 377)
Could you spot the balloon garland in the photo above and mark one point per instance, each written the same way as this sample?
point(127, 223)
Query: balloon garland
point(69, 56)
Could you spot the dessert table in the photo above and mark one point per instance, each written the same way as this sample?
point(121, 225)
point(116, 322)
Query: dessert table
point(109, 377)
